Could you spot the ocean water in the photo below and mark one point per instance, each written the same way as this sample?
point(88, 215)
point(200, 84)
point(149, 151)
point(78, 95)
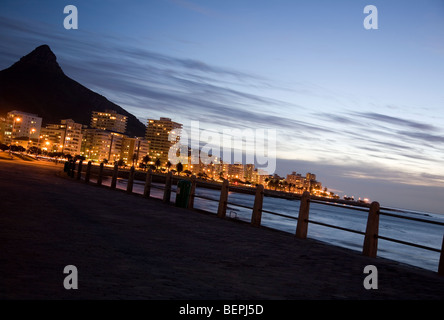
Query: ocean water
point(420, 233)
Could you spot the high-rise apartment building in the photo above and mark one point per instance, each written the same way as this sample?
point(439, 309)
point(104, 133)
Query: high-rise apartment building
point(65, 137)
point(100, 145)
point(259, 176)
point(296, 179)
point(109, 120)
point(249, 172)
point(72, 137)
point(236, 171)
point(307, 183)
point(2, 129)
point(161, 135)
point(133, 150)
point(51, 138)
point(21, 127)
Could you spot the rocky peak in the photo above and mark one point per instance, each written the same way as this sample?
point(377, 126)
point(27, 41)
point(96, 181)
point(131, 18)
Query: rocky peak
point(42, 58)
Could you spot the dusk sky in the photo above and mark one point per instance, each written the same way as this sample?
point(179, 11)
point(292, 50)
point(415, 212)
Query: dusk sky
point(362, 109)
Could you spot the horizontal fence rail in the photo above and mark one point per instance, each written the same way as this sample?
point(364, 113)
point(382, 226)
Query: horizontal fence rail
point(373, 211)
point(336, 227)
point(412, 218)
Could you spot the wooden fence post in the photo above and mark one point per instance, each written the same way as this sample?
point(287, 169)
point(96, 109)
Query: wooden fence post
point(256, 215)
point(79, 170)
point(147, 189)
point(304, 209)
point(99, 178)
point(370, 247)
point(222, 209)
point(129, 186)
point(88, 172)
point(167, 191)
point(441, 260)
point(192, 192)
point(115, 174)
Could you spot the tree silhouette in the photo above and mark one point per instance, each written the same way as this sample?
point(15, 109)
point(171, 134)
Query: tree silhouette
point(168, 165)
point(121, 163)
point(135, 158)
point(157, 164)
point(146, 159)
point(179, 167)
point(273, 183)
point(34, 150)
point(285, 185)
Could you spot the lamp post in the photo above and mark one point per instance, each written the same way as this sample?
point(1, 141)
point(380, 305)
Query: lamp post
point(30, 139)
point(16, 119)
point(47, 143)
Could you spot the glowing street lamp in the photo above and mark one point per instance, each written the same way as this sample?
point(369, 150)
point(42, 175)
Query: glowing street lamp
point(47, 143)
point(16, 119)
point(31, 132)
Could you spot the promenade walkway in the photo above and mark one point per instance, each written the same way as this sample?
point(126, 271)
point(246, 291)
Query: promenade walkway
point(128, 247)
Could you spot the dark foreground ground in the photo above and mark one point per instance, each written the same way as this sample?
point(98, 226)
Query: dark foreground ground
point(128, 247)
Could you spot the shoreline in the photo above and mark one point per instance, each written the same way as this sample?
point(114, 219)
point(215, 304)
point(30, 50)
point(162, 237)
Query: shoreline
point(160, 177)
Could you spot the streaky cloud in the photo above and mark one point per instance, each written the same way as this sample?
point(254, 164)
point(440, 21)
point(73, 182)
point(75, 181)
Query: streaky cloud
point(397, 121)
point(425, 137)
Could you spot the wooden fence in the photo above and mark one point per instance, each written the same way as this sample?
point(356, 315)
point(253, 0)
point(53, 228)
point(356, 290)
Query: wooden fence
point(371, 234)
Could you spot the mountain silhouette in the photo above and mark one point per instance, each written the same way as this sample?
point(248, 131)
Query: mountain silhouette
point(37, 84)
